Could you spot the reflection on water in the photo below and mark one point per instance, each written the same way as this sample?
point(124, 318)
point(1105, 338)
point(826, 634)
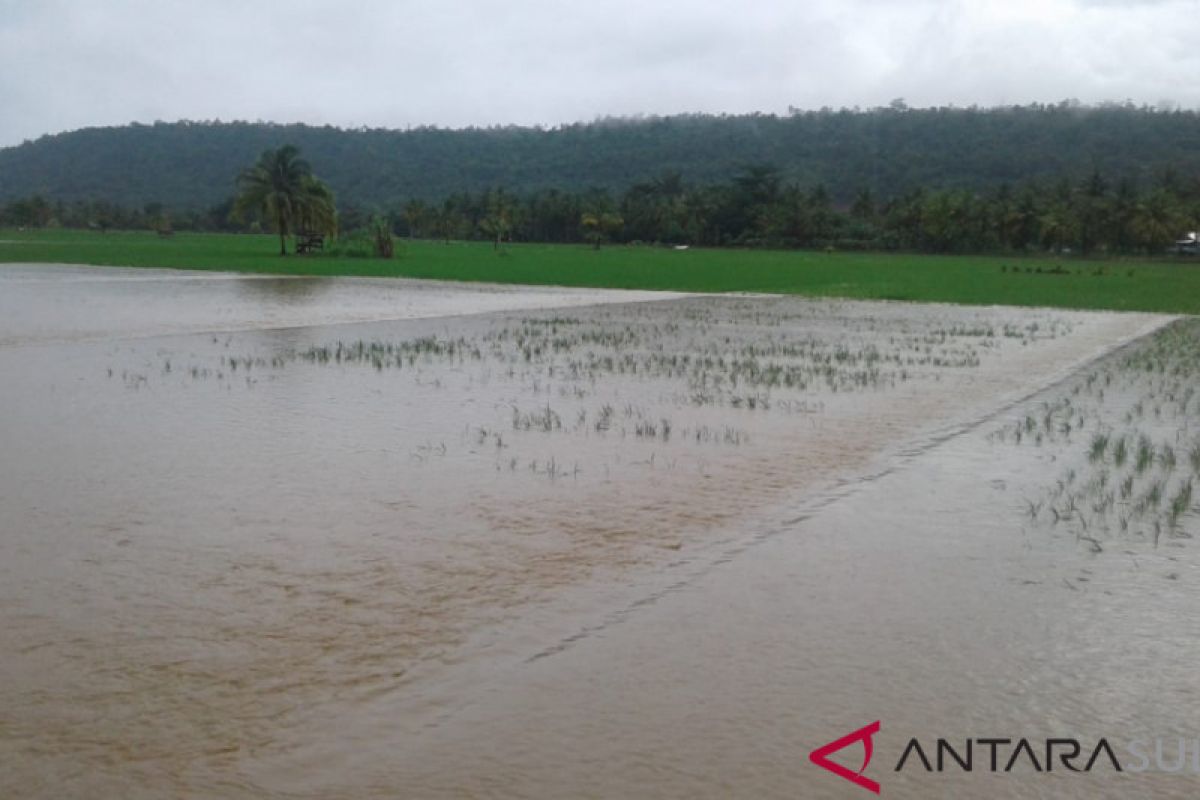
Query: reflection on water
point(307, 291)
point(41, 303)
point(336, 538)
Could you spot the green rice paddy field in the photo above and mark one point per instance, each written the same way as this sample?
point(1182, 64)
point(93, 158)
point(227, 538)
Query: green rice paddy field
point(1166, 285)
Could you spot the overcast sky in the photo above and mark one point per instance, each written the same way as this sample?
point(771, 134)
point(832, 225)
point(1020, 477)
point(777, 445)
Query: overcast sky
point(67, 64)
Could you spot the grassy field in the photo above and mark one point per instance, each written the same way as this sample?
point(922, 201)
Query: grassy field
point(1170, 286)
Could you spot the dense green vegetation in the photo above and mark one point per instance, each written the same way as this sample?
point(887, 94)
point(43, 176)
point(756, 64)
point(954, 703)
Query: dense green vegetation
point(756, 209)
point(189, 166)
point(1172, 286)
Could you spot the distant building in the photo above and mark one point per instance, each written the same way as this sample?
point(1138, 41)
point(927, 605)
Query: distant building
point(1188, 244)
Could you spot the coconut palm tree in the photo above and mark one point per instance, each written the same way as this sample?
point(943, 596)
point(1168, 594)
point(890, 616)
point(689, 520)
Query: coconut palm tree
point(318, 212)
point(1158, 220)
point(416, 214)
point(281, 187)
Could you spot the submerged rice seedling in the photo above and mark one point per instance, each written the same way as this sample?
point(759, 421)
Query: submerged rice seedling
point(1120, 452)
point(1181, 502)
point(1127, 487)
point(543, 420)
point(1145, 454)
point(1152, 498)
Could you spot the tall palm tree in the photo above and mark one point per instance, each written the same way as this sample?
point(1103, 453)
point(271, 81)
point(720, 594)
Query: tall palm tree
point(416, 214)
point(282, 188)
point(1158, 220)
point(318, 212)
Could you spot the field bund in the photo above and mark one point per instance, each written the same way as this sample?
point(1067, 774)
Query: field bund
point(344, 537)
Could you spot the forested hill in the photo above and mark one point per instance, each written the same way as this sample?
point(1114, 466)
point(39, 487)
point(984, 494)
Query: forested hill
point(190, 165)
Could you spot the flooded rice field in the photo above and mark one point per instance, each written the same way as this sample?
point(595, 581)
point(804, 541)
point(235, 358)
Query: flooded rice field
point(355, 538)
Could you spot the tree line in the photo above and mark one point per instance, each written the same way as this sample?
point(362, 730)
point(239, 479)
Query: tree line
point(757, 208)
point(890, 151)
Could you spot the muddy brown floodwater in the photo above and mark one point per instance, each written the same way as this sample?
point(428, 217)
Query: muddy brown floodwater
point(354, 538)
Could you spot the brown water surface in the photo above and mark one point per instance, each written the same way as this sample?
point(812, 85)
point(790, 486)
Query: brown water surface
point(349, 538)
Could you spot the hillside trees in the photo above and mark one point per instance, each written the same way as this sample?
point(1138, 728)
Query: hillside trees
point(187, 165)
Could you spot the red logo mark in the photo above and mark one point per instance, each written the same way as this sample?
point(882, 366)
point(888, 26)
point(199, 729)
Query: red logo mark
point(820, 756)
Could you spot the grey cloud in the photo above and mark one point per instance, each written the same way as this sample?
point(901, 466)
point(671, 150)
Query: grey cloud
point(70, 63)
